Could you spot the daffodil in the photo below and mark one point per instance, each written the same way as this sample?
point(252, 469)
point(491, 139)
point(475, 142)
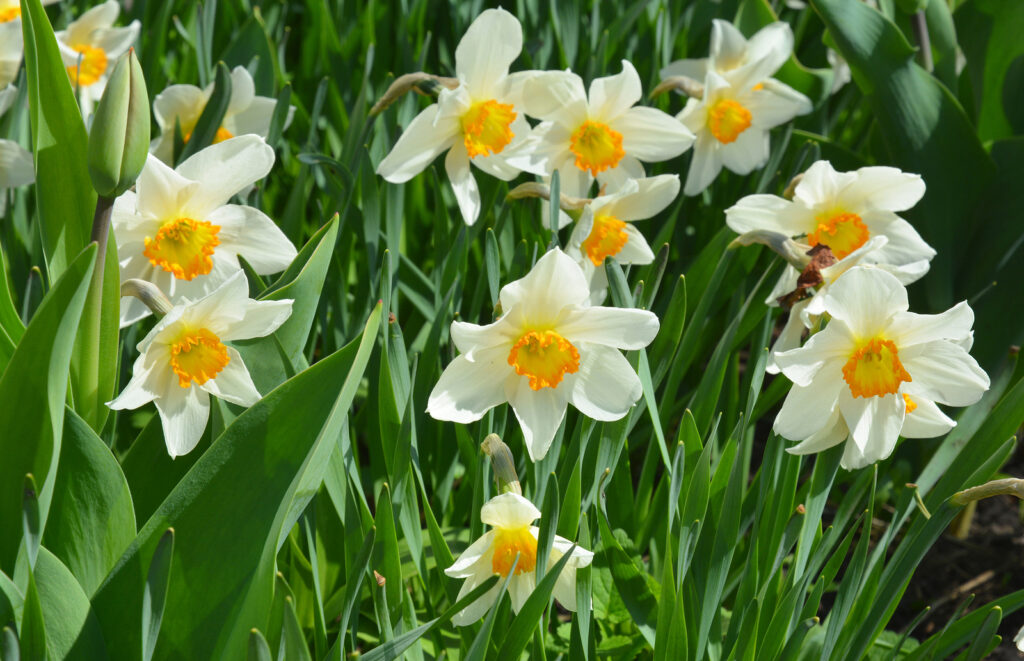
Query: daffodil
point(603, 134)
point(477, 122)
point(11, 39)
point(184, 360)
point(16, 168)
point(730, 51)
point(854, 214)
point(550, 348)
point(732, 121)
point(510, 517)
point(89, 47)
point(178, 231)
point(877, 371)
point(606, 228)
point(183, 104)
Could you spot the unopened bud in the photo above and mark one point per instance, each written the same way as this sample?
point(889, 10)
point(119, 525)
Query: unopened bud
point(792, 251)
point(503, 464)
point(149, 294)
point(119, 139)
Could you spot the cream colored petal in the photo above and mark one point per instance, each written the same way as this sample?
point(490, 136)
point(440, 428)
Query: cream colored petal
point(487, 50)
point(233, 383)
point(509, 510)
point(471, 385)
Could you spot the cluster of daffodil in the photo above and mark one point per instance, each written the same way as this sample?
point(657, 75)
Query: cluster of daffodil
point(874, 372)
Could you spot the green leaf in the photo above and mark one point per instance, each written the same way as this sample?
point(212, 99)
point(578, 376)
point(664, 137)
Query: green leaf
point(32, 390)
point(91, 519)
point(154, 597)
point(924, 130)
point(386, 557)
point(30, 523)
point(631, 582)
point(213, 114)
point(59, 143)
point(478, 650)
point(32, 640)
point(990, 38)
point(525, 622)
point(259, 650)
point(293, 643)
point(227, 514)
point(9, 650)
point(72, 631)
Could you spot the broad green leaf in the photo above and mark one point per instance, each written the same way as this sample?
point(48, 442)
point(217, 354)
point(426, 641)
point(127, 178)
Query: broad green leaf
point(32, 632)
point(72, 631)
point(32, 390)
point(91, 519)
point(259, 650)
point(990, 37)
point(227, 514)
point(630, 581)
point(9, 650)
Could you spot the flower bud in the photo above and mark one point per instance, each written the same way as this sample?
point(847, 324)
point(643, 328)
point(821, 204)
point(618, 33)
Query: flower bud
point(119, 139)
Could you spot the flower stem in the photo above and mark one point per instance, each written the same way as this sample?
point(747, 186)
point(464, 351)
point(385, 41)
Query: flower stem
point(1010, 486)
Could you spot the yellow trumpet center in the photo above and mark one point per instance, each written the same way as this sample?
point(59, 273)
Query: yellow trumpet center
point(88, 70)
point(507, 543)
point(487, 127)
point(727, 119)
point(911, 404)
point(874, 369)
point(545, 357)
point(597, 147)
point(606, 239)
point(9, 14)
point(183, 247)
point(198, 356)
point(222, 135)
point(842, 232)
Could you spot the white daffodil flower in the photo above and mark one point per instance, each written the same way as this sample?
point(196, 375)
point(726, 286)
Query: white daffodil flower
point(16, 168)
point(733, 119)
point(877, 371)
point(603, 134)
point(511, 534)
point(178, 231)
point(730, 51)
point(854, 214)
point(477, 123)
point(89, 47)
point(550, 348)
point(183, 104)
point(605, 229)
point(184, 360)
point(11, 44)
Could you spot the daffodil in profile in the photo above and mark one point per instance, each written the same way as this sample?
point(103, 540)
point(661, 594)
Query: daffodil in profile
point(512, 535)
point(602, 135)
point(182, 105)
point(605, 229)
point(550, 348)
point(767, 50)
point(90, 45)
point(184, 359)
point(178, 230)
point(16, 168)
point(877, 371)
point(477, 122)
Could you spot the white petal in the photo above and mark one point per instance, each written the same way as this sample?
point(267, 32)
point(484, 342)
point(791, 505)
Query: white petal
point(565, 588)
point(705, 166)
point(553, 283)
point(509, 510)
point(942, 371)
point(874, 423)
point(904, 246)
point(776, 104)
point(419, 144)
point(243, 90)
point(260, 318)
point(613, 179)
point(829, 347)
point(478, 608)
point(909, 328)
point(183, 415)
point(762, 212)
point(621, 328)
point(636, 249)
point(747, 153)
point(606, 386)
point(520, 588)
point(926, 420)
point(866, 299)
point(255, 118)
point(16, 168)
point(539, 413)
point(647, 197)
point(652, 135)
point(224, 169)
point(541, 151)
point(116, 41)
point(821, 184)
point(183, 103)
point(248, 232)
point(471, 385)
point(471, 337)
point(233, 383)
point(487, 50)
point(463, 565)
point(728, 45)
point(80, 31)
point(557, 96)
point(772, 45)
point(790, 336)
point(832, 433)
point(612, 96)
point(885, 188)
point(144, 385)
point(161, 193)
point(467, 194)
point(807, 409)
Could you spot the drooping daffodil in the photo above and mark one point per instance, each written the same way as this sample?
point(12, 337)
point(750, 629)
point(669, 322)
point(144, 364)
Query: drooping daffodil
point(550, 348)
point(16, 168)
point(183, 104)
point(477, 122)
point(605, 229)
point(512, 534)
point(90, 45)
point(184, 359)
point(877, 371)
point(602, 135)
point(178, 231)
point(854, 214)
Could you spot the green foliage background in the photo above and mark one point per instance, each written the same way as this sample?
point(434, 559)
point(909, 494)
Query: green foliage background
point(263, 542)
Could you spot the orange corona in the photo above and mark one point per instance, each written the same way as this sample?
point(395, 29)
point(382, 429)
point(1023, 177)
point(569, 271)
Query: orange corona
point(198, 356)
point(183, 246)
point(487, 128)
point(842, 232)
point(511, 541)
point(545, 357)
point(606, 239)
point(596, 146)
point(874, 369)
point(727, 119)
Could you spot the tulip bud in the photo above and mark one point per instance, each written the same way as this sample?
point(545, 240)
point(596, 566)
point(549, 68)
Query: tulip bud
point(119, 139)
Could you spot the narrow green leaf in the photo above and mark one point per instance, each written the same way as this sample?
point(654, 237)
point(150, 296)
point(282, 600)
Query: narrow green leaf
point(631, 582)
point(525, 622)
point(154, 596)
point(9, 650)
point(259, 650)
point(31, 525)
point(210, 120)
point(293, 643)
